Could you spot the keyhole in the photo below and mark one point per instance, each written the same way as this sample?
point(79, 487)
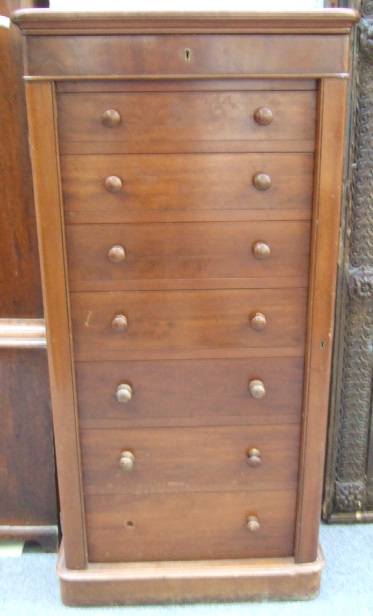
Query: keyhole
point(187, 54)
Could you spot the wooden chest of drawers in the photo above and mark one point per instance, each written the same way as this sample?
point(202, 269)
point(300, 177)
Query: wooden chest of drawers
point(188, 173)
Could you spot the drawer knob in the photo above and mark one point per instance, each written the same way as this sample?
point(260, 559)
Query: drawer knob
point(113, 184)
point(262, 181)
point(126, 461)
point(258, 321)
point(257, 389)
point(253, 457)
point(252, 524)
point(263, 116)
point(111, 118)
point(119, 323)
point(116, 254)
point(261, 250)
point(123, 393)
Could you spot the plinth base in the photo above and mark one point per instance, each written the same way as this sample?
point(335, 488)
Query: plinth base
point(188, 582)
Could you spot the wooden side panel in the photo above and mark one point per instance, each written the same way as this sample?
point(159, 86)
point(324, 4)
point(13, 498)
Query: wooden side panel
point(325, 249)
point(27, 477)
point(27, 482)
point(41, 109)
point(20, 288)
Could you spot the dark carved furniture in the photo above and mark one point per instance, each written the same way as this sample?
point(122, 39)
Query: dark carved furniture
point(348, 495)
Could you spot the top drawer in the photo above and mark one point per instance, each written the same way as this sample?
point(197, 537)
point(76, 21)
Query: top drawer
point(196, 116)
point(146, 53)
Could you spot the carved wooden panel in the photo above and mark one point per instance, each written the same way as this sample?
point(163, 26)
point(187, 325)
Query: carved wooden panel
point(349, 473)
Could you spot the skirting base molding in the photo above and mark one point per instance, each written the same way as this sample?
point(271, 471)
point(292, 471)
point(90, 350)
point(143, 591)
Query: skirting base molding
point(45, 536)
point(188, 582)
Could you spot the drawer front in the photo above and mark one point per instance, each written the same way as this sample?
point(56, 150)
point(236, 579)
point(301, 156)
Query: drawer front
point(179, 182)
point(189, 526)
point(212, 54)
point(188, 250)
point(181, 116)
point(190, 459)
point(187, 319)
point(175, 390)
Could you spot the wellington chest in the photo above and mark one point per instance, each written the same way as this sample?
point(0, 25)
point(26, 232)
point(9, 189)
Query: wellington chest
point(188, 171)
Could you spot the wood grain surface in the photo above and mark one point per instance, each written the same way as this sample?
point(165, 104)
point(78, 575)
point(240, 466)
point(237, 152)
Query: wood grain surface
point(173, 390)
point(20, 287)
point(187, 250)
point(166, 85)
point(28, 507)
point(190, 581)
point(187, 182)
point(27, 469)
point(172, 486)
point(324, 263)
point(178, 116)
point(138, 527)
point(187, 319)
point(202, 459)
point(142, 55)
point(40, 108)
point(329, 21)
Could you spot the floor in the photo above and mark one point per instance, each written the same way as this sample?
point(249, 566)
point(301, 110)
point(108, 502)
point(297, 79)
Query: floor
point(29, 586)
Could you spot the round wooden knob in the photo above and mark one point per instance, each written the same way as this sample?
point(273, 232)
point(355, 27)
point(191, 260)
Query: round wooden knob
point(116, 254)
point(113, 184)
point(253, 457)
point(261, 250)
point(111, 118)
point(252, 524)
point(119, 323)
point(262, 181)
point(126, 461)
point(124, 393)
point(263, 116)
point(257, 389)
point(258, 321)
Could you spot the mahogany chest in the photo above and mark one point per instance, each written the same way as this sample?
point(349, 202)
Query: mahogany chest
point(188, 173)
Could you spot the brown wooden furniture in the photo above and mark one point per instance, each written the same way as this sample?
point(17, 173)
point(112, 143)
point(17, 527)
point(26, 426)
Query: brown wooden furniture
point(28, 510)
point(188, 173)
